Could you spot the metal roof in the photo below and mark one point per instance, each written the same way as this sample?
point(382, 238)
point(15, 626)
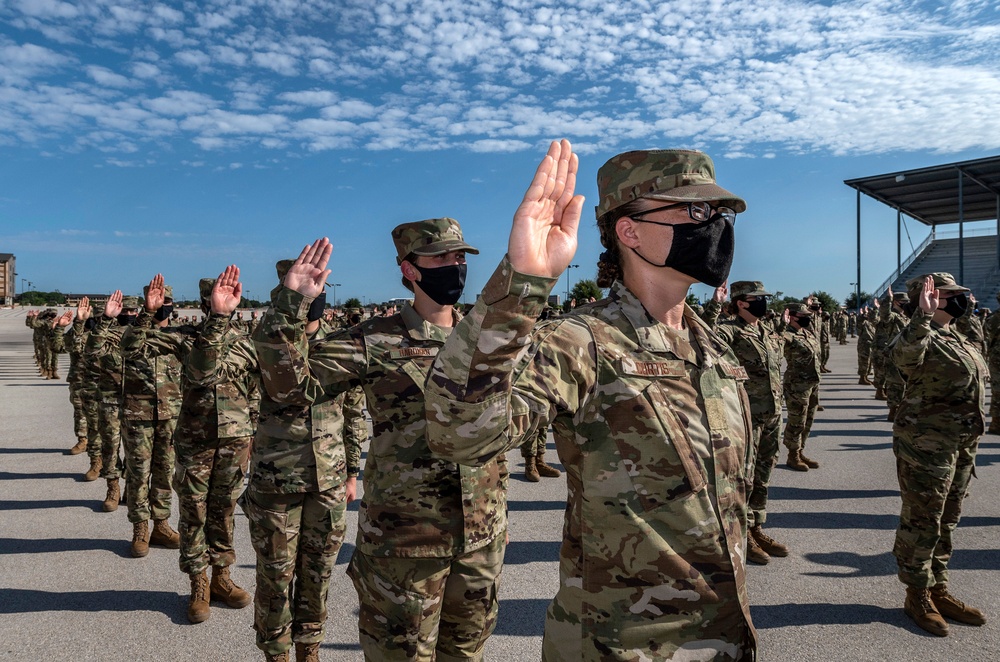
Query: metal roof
point(931, 195)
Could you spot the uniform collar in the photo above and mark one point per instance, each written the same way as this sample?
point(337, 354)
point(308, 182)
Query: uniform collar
point(651, 334)
point(420, 329)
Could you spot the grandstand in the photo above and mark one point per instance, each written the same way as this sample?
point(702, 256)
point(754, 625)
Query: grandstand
point(946, 195)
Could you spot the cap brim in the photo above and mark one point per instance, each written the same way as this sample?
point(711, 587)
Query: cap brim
point(952, 288)
point(701, 193)
point(442, 247)
point(757, 293)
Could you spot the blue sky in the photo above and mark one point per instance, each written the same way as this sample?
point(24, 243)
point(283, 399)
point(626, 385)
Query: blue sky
point(178, 137)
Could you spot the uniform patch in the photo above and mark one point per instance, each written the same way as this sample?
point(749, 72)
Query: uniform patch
point(734, 371)
point(674, 368)
point(410, 352)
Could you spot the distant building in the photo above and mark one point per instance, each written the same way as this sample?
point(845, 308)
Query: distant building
point(8, 280)
point(73, 300)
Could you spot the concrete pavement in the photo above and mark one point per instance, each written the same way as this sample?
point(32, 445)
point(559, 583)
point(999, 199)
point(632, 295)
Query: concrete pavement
point(69, 589)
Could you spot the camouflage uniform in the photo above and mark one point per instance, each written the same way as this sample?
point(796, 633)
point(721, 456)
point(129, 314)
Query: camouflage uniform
point(758, 349)
point(893, 382)
point(889, 324)
point(991, 339)
point(935, 436)
point(212, 435)
point(824, 340)
point(430, 532)
point(866, 340)
point(152, 401)
point(615, 384)
point(801, 381)
point(970, 326)
point(296, 505)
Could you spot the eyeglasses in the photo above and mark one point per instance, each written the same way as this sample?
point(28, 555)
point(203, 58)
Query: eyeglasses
point(698, 211)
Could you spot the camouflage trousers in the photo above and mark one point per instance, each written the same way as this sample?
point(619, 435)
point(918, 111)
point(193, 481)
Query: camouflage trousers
point(208, 478)
point(149, 465)
point(893, 384)
point(824, 353)
point(79, 415)
point(297, 538)
point(110, 427)
point(994, 395)
point(864, 360)
point(91, 405)
point(423, 609)
point(934, 472)
point(878, 367)
point(761, 458)
point(536, 444)
point(801, 400)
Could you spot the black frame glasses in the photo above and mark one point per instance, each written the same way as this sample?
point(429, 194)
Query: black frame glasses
point(700, 212)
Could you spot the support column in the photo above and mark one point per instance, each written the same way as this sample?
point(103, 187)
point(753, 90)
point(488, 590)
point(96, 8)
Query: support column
point(857, 287)
point(961, 229)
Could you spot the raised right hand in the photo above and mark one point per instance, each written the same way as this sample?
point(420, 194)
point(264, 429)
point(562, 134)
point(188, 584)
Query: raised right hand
point(929, 296)
point(543, 235)
point(113, 307)
point(83, 309)
point(309, 273)
point(155, 294)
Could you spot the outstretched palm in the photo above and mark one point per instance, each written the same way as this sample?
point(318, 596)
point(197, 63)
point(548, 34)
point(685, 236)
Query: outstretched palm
point(309, 273)
point(155, 294)
point(114, 305)
point(227, 291)
point(543, 235)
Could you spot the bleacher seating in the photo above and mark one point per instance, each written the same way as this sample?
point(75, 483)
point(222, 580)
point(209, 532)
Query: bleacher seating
point(981, 273)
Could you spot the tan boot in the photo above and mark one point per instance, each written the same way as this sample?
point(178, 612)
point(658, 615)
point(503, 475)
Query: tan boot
point(531, 470)
point(113, 497)
point(755, 554)
point(225, 589)
point(880, 394)
point(198, 608)
point(140, 539)
point(95, 469)
point(767, 543)
point(951, 607)
point(795, 460)
point(921, 609)
point(306, 652)
point(280, 657)
point(164, 536)
point(820, 408)
point(864, 381)
point(81, 445)
point(545, 470)
point(812, 464)
point(55, 375)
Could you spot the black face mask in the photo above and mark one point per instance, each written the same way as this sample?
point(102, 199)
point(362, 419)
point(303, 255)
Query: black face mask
point(126, 320)
point(90, 324)
point(804, 322)
point(956, 305)
point(164, 312)
point(443, 285)
point(317, 307)
point(703, 251)
point(757, 307)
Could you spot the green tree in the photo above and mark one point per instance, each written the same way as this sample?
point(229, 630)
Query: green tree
point(692, 300)
point(851, 301)
point(36, 298)
point(827, 301)
point(584, 289)
point(353, 302)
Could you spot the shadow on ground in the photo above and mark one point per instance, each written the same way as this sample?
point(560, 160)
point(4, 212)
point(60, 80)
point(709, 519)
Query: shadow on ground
point(20, 601)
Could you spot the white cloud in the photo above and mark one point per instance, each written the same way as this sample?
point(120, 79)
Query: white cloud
point(282, 63)
point(145, 70)
point(106, 77)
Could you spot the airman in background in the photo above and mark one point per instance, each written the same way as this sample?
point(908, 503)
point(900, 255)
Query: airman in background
point(801, 383)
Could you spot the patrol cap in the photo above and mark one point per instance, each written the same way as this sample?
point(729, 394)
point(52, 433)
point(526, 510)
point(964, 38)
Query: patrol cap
point(942, 281)
point(168, 292)
point(799, 309)
point(748, 288)
point(130, 302)
point(205, 286)
point(901, 297)
point(679, 175)
point(48, 312)
point(282, 267)
point(435, 236)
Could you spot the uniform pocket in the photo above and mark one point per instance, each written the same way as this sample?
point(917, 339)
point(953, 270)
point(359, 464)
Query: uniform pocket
point(389, 616)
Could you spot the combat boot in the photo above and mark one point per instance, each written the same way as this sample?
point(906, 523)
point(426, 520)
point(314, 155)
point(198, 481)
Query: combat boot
point(864, 381)
point(755, 554)
point(278, 657)
point(767, 543)
point(225, 589)
point(531, 470)
point(880, 394)
point(81, 445)
point(198, 608)
point(951, 607)
point(812, 464)
point(306, 652)
point(921, 609)
point(54, 374)
point(114, 496)
point(795, 460)
point(545, 470)
point(164, 536)
point(140, 539)
point(95, 469)
point(820, 408)
point(891, 416)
